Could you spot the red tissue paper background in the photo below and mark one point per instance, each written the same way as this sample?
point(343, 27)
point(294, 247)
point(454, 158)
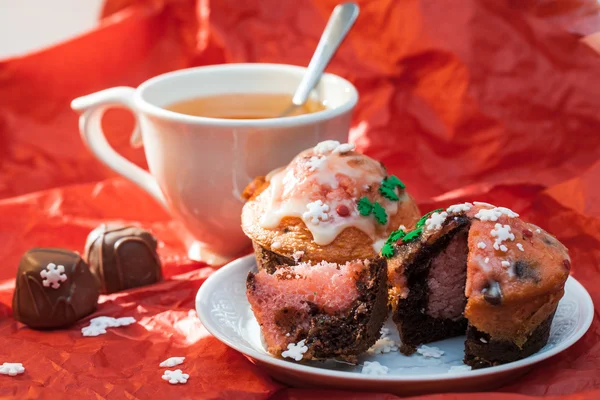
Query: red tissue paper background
point(495, 101)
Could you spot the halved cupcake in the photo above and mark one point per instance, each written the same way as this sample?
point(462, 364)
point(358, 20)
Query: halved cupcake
point(329, 204)
point(320, 311)
point(479, 269)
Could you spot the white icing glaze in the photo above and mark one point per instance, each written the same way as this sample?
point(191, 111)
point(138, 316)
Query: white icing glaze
point(316, 183)
point(378, 245)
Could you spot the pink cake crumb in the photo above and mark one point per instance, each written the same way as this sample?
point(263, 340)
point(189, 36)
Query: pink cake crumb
point(282, 301)
point(446, 280)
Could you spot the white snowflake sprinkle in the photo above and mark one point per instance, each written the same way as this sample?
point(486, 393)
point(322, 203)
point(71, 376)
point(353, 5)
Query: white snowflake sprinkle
point(315, 162)
point(520, 246)
point(487, 260)
point(501, 233)
point(53, 275)
point(295, 350)
point(488, 214)
point(317, 212)
point(459, 368)
point(457, 208)
point(98, 325)
point(383, 345)
point(175, 377)
point(276, 245)
point(402, 227)
point(481, 245)
point(495, 213)
point(11, 369)
point(172, 361)
point(482, 204)
point(483, 340)
point(503, 248)
point(435, 221)
point(287, 334)
point(344, 148)
point(505, 263)
point(374, 368)
point(430, 351)
point(538, 231)
point(508, 212)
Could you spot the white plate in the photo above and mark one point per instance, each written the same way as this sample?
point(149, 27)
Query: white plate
point(224, 310)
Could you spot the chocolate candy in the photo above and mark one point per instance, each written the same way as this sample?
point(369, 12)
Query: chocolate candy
point(54, 289)
point(122, 257)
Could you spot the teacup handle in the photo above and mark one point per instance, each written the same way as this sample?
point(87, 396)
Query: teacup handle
point(92, 108)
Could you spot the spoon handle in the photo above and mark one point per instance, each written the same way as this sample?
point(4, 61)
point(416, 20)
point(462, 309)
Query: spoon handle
point(337, 28)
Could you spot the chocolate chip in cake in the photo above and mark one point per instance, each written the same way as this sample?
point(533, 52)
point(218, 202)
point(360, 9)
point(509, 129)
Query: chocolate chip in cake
point(547, 240)
point(493, 293)
point(525, 270)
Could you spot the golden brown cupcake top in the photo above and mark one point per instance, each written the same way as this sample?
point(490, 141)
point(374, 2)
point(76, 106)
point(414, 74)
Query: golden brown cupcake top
point(330, 202)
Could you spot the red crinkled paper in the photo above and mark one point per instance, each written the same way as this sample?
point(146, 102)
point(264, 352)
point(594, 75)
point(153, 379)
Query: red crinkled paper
point(464, 100)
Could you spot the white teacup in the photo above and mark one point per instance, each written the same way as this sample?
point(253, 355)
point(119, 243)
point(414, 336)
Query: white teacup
point(199, 166)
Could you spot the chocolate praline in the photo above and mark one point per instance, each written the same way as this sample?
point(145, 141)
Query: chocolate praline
point(122, 257)
point(57, 303)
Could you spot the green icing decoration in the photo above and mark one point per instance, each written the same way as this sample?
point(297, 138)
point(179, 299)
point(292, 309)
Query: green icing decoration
point(365, 207)
point(424, 217)
point(388, 187)
point(388, 192)
point(393, 180)
point(395, 236)
point(387, 250)
point(412, 235)
point(380, 214)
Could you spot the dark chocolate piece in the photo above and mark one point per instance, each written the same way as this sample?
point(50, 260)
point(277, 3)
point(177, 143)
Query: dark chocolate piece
point(122, 257)
point(54, 289)
point(492, 293)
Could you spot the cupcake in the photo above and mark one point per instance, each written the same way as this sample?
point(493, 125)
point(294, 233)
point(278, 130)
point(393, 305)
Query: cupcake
point(479, 269)
point(320, 311)
point(329, 204)
point(317, 226)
